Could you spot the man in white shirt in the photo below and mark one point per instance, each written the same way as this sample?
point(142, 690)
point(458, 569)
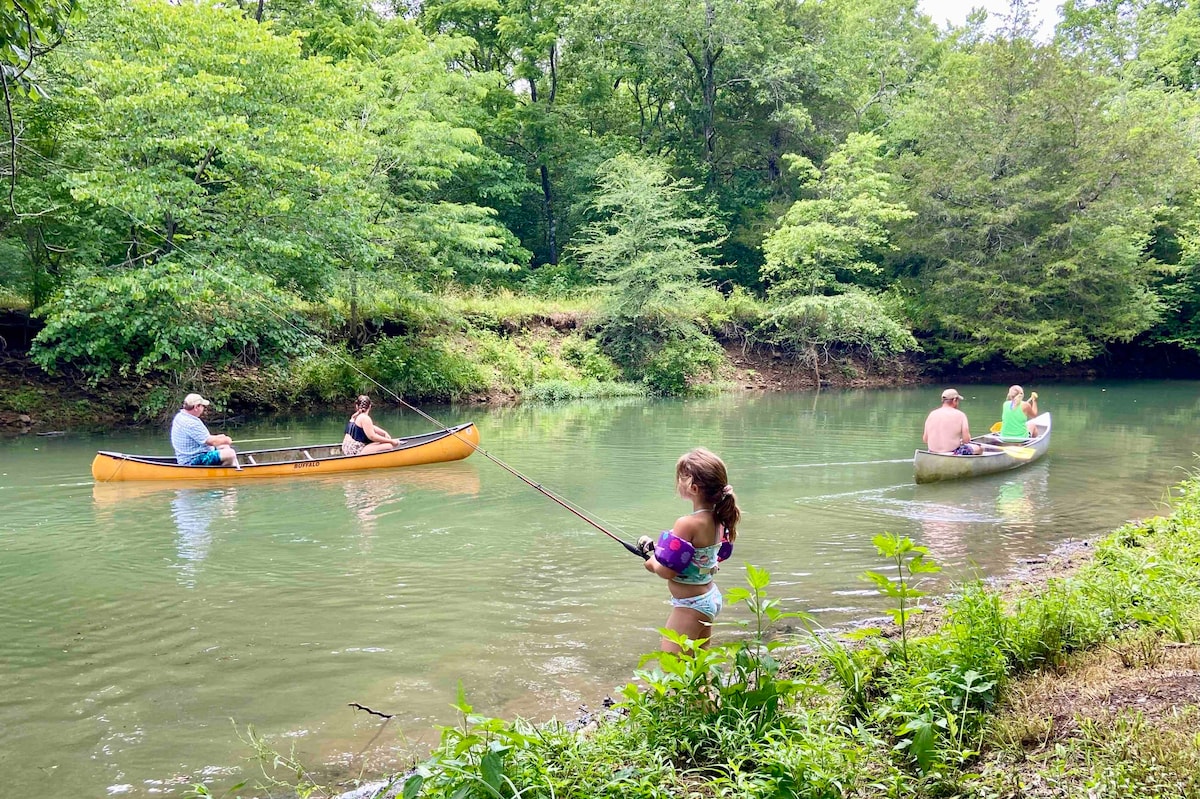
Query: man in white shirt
point(194, 445)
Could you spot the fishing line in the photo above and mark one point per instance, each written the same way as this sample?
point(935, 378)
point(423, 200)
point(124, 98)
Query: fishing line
point(578, 511)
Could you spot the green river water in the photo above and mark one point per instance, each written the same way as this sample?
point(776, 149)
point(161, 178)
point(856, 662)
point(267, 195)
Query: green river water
point(144, 628)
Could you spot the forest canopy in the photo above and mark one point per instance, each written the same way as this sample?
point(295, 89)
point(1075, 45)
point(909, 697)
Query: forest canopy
point(299, 177)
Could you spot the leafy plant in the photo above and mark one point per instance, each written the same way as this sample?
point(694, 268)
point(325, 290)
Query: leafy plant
point(910, 561)
point(165, 317)
point(697, 695)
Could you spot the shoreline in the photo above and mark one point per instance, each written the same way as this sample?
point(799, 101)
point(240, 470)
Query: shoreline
point(32, 402)
point(1030, 575)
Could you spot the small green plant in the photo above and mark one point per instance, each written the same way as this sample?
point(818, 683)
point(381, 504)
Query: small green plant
point(1141, 648)
point(910, 561)
point(198, 790)
point(754, 655)
point(21, 400)
point(470, 760)
point(695, 698)
point(855, 669)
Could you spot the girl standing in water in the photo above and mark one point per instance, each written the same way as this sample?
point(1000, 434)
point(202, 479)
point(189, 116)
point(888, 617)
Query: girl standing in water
point(687, 555)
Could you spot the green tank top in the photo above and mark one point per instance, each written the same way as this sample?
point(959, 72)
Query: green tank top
point(1012, 423)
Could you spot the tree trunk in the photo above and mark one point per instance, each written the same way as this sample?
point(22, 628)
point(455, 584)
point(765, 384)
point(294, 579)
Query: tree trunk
point(704, 64)
point(548, 210)
point(355, 335)
point(544, 173)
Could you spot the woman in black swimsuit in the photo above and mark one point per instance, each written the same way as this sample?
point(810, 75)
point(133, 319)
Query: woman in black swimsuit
point(362, 436)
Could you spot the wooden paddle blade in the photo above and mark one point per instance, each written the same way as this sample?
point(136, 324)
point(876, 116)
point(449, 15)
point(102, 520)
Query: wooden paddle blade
point(996, 427)
point(1020, 453)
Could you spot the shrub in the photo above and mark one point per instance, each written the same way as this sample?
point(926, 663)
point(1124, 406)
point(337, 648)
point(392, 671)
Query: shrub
point(680, 363)
point(328, 375)
point(421, 369)
point(851, 321)
point(586, 357)
point(565, 390)
point(163, 317)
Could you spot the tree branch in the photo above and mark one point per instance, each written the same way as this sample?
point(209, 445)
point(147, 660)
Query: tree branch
point(12, 147)
point(357, 706)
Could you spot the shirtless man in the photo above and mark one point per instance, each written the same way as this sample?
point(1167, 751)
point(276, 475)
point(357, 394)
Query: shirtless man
point(946, 428)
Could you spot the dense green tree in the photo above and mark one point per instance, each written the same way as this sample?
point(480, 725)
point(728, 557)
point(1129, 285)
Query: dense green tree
point(824, 254)
point(339, 29)
point(194, 134)
point(1112, 36)
point(28, 31)
point(517, 43)
point(826, 243)
point(1038, 185)
point(333, 153)
point(866, 55)
point(649, 246)
point(420, 116)
point(195, 127)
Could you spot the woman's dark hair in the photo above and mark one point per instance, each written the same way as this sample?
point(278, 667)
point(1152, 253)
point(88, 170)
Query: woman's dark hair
point(363, 403)
point(707, 473)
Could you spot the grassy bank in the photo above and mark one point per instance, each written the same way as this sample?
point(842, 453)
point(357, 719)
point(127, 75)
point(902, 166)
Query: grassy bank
point(496, 347)
point(1083, 681)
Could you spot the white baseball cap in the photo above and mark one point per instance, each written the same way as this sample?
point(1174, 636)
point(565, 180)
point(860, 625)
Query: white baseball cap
point(192, 400)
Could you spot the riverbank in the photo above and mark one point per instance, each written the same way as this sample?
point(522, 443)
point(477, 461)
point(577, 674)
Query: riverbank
point(32, 401)
point(1080, 677)
point(505, 349)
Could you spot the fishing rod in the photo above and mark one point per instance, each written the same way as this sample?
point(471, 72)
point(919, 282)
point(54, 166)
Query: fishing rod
point(579, 512)
point(256, 440)
point(535, 486)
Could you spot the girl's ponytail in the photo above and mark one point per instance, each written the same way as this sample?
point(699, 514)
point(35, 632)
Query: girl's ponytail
point(726, 511)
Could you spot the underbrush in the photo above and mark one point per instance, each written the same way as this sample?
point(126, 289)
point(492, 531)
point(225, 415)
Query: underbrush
point(505, 310)
point(459, 365)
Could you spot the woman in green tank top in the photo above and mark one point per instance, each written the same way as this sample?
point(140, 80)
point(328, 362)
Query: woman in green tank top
point(1014, 419)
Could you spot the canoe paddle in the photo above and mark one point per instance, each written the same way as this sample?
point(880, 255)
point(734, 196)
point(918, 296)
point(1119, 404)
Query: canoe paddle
point(1020, 453)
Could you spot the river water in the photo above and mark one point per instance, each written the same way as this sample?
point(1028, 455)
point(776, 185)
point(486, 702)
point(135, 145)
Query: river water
point(145, 629)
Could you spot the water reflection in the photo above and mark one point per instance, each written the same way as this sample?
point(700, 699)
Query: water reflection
point(200, 512)
point(194, 511)
point(971, 521)
point(1015, 506)
point(372, 498)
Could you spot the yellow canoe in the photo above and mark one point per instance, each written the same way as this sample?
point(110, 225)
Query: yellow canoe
point(451, 444)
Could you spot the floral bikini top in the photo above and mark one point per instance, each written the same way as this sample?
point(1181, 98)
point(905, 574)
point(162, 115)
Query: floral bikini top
point(706, 561)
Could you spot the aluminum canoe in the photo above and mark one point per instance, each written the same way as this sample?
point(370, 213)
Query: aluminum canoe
point(931, 467)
